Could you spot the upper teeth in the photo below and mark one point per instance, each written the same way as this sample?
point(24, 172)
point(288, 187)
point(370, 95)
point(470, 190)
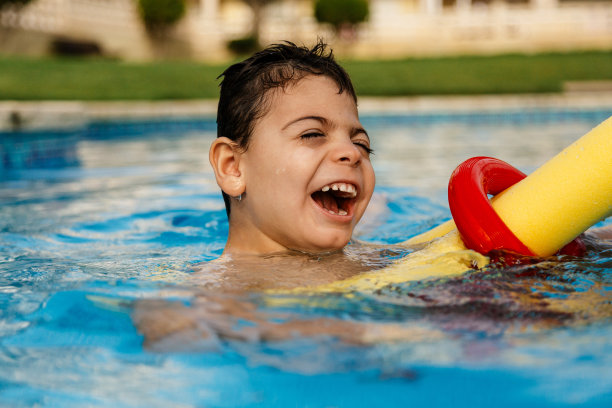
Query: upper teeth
point(344, 187)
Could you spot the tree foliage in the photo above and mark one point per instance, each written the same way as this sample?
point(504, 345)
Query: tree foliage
point(13, 2)
point(159, 15)
point(341, 13)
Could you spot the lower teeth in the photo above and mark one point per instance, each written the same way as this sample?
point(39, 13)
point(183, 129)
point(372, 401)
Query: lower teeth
point(340, 212)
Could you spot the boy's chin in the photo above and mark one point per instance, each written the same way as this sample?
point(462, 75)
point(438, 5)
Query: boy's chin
point(327, 246)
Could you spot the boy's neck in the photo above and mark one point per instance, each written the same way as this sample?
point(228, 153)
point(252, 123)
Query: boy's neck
point(245, 239)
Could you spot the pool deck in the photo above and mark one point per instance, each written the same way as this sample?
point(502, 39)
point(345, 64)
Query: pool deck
point(60, 115)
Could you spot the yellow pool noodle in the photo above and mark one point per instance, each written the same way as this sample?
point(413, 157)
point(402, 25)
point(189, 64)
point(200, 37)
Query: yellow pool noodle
point(564, 197)
point(558, 201)
point(433, 233)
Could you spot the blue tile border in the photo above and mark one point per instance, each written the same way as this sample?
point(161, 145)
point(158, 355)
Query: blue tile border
point(102, 129)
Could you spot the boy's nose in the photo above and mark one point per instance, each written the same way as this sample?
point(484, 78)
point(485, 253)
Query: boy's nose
point(346, 152)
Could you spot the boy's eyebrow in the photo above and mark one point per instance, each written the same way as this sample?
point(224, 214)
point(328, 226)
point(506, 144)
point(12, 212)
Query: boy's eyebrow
point(321, 119)
point(359, 130)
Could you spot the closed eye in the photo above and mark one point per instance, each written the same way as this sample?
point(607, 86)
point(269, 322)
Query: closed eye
point(361, 139)
point(311, 135)
point(365, 147)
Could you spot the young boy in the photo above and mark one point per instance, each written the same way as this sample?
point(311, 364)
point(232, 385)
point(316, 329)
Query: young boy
point(293, 163)
point(291, 157)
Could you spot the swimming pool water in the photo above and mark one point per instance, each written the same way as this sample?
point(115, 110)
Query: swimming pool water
point(93, 222)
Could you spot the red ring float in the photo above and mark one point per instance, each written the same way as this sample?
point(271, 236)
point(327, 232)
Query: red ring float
point(479, 225)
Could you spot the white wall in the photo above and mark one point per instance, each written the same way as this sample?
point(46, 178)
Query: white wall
point(396, 27)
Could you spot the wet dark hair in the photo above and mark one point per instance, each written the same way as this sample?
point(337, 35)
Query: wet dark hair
point(245, 86)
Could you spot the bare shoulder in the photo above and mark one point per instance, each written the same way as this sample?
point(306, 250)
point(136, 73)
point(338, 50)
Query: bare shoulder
point(293, 269)
point(215, 274)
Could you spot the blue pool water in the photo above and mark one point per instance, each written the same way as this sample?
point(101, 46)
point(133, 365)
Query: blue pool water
point(96, 221)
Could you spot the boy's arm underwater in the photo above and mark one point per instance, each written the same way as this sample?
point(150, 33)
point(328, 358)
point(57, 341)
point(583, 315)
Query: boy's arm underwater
point(601, 233)
point(211, 319)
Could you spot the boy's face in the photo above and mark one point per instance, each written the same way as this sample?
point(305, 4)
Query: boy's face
point(307, 171)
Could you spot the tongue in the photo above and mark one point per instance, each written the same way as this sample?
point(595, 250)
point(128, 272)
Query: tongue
point(326, 201)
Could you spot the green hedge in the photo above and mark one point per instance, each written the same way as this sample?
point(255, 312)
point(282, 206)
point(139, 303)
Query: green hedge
point(341, 12)
point(160, 14)
point(16, 2)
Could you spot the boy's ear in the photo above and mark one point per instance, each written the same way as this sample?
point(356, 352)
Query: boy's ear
point(224, 156)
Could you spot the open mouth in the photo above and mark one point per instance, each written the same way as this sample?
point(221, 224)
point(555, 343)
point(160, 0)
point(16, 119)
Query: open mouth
point(336, 198)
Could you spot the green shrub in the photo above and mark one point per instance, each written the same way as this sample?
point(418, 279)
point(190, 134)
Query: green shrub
point(13, 2)
point(158, 15)
point(339, 13)
point(245, 45)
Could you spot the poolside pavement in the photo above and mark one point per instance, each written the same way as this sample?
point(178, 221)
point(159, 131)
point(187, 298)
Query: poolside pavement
point(66, 115)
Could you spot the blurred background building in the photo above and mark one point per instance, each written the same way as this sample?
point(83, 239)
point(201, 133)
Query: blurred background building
point(394, 27)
